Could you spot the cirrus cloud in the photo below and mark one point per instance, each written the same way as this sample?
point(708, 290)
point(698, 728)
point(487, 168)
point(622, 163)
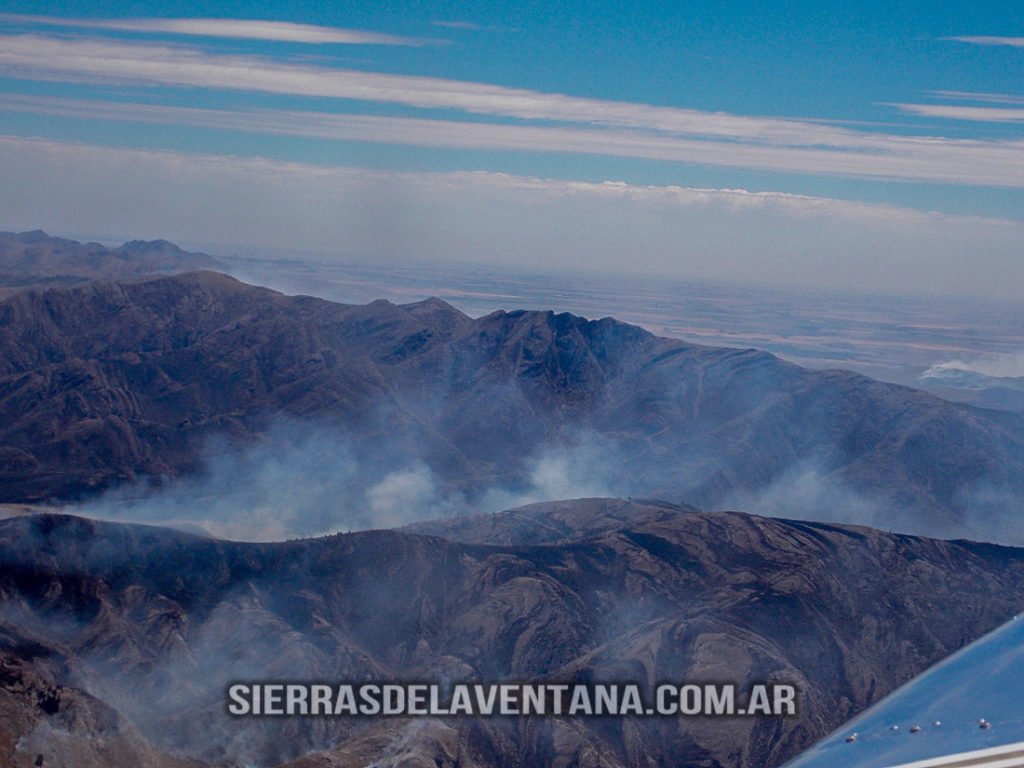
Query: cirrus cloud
point(245, 29)
point(553, 121)
point(1013, 42)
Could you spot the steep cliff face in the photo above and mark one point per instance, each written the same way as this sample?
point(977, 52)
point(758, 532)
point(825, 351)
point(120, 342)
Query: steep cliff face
point(112, 382)
point(145, 627)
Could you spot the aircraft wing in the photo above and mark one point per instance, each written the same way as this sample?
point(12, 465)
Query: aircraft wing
point(965, 712)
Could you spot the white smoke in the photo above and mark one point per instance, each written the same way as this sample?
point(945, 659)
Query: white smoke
point(1003, 366)
point(307, 480)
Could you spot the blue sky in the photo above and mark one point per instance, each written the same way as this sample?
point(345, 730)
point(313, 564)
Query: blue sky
point(848, 144)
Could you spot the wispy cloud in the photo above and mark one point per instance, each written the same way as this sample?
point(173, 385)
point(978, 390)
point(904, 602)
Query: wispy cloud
point(29, 55)
point(976, 114)
point(466, 25)
point(1016, 42)
point(992, 163)
point(983, 98)
point(76, 60)
point(564, 123)
point(248, 29)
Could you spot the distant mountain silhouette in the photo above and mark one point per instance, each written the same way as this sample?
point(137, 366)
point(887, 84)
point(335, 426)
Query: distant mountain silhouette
point(35, 259)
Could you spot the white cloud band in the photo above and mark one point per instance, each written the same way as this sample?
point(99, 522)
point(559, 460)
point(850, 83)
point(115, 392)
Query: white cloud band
point(958, 112)
point(247, 29)
point(1014, 42)
point(568, 124)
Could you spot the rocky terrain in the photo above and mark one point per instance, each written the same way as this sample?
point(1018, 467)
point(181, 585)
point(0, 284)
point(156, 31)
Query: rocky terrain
point(121, 638)
point(37, 260)
point(114, 383)
point(117, 641)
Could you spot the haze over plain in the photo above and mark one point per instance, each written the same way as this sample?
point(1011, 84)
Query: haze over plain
point(791, 144)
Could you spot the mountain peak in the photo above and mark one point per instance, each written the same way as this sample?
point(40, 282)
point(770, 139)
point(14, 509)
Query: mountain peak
point(153, 368)
point(34, 236)
point(35, 259)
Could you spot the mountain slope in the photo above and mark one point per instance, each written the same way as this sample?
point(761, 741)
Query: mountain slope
point(111, 382)
point(155, 623)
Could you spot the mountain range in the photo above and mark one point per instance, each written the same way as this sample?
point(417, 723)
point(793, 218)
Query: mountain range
point(194, 400)
point(116, 383)
point(117, 641)
point(36, 259)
